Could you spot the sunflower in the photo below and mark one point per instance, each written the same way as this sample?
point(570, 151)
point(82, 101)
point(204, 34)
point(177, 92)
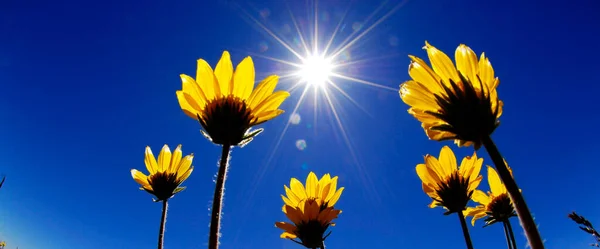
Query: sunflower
point(225, 103)
point(322, 190)
point(496, 204)
point(449, 186)
point(459, 103)
point(310, 210)
point(166, 175)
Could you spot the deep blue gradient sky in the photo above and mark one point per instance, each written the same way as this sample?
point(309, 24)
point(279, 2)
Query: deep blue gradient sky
point(86, 85)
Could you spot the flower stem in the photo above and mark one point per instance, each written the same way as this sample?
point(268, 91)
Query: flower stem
point(507, 234)
point(512, 235)
point(533, 235)
point(465, 229)
point(163, 220)
point(215, 220)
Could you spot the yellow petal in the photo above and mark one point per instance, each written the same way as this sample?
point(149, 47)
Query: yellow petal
point(292, 197)
point(420, 72)
point(336, 196)
point(272, 102)
point(332, 188)
point(139, 177)
point(243, 79)
point(475, 212)
point(290, 228)
point(150, 161)
point(418, 96)
point(206, 80)
point(448, 160)
point(184, 165)
point(264, 89)
point(311, 185)
point(427, 175)
point(322, 184)
point(191, 87)
point(324, 192)
point(476, 169)
point(477, 216)
point(266, 116)
point(287, 201)
point(224, 72)
point(434, 165)
point(441, 64)
point(185, 106)
point(286, 235)
point(185, 175)
point(298, 188)
point(164, 159)
point(486, 71)
point(466, 62)
point(480, 197)
point(496, 185)
point(474, 184)
point(175, 159)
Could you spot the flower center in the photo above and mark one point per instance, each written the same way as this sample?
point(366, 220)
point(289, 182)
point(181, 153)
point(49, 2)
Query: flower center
point(467, 110)
point(163, 184)
point(501, 208)
point(454, 193)
point(226, 120)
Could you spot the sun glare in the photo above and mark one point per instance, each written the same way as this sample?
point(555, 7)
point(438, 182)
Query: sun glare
point(315, 70)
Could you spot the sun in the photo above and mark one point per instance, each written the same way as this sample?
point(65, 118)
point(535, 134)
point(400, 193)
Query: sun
point(316, 70)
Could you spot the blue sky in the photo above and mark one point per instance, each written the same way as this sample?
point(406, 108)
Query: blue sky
point(87, 85)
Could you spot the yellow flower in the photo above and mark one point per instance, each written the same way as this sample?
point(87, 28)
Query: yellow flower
point(322, 190)
point(310, 210)
point(449, 186)
point(2, 244)
point(225, 103)
point(459, 103)
point(166, 175)
point(496, 204)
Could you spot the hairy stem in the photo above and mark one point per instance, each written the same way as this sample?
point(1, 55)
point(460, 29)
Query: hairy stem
point(507, 234)
point(512, 234)
point(163, 220)
point(215, 220)
point(465, 229)
point(533, 235)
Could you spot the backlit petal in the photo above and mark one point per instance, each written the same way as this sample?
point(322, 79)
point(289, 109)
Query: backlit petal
point(139, 177)
point(272, 102)
point(298, 188)
point(441, 64)
point(243, 79)
point(264, 89)
point(175, 159)
point(417, 96)
point(185, 106)
point(224, 72)
point(448, 160)
point(336, 196)
point(496, 185)
point(311, 184)
point(150, 161)
point(480, 197)
point(164, 159)
point(466, 62)
point(206, 80)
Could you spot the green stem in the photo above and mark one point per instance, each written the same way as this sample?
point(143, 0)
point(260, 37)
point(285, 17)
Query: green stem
point(215, 220)
point(465, 229)
point(512, 235)
point(533, 235)
point(507, 234)
point(163, 220)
